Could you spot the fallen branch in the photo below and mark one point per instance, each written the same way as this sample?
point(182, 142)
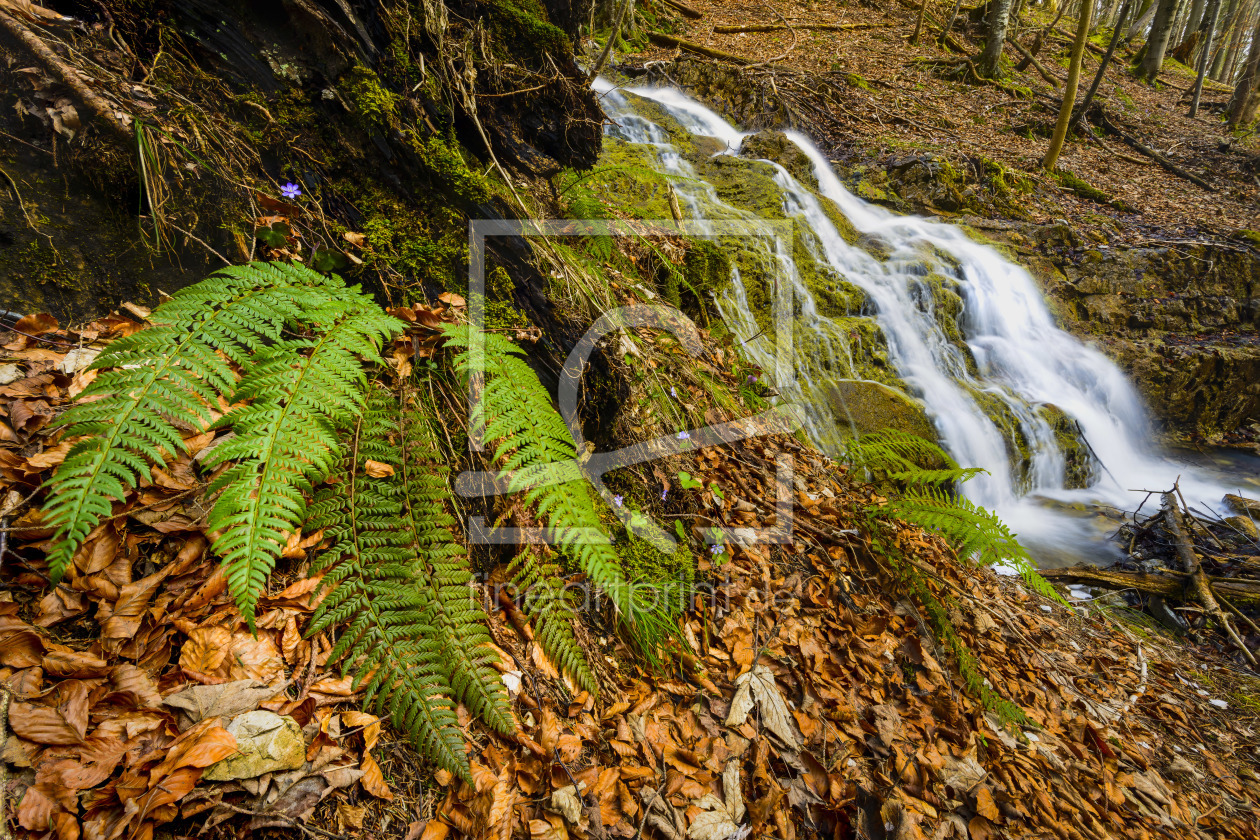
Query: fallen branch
point(1032, 59)
point(68, 75)
point(1111, 127)
point(1202, 586)
point(1241, 592)
point(774, 27)
point(663, 40)
point(684, 9)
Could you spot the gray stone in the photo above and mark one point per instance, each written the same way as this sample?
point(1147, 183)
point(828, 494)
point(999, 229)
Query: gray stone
point(265, 742)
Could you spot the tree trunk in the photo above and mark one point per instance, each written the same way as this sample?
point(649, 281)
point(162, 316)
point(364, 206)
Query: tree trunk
point(1237, 108)
point(1102, 68)
point(1069, 90)
point(995, 37)
point(1214, 8)
point(1194, 21)
point(1157, 42)
point(1228, 36)
point(1144, 15)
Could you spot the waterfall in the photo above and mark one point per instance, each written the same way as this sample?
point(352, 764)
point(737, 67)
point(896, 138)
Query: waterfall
point(994, 390)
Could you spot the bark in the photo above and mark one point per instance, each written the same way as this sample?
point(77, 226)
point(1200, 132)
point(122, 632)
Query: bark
point(1157, 41)
point(1246, 86)
point(1214, 8)
point(1069, 89)
point(1144, 15)
point(1102, 67)
point(999, 19)
point(1194, 21)
point(1198, 578)
point(1230, 33)
point(1240, 592)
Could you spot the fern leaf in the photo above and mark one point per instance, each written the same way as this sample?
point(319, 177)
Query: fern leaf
point(162, 376)
point(537, 452)
point(545, 601)
point(299, 393)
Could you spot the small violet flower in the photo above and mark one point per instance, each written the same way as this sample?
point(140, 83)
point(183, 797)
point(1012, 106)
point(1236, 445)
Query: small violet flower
point(290, 190)
point(663, 492)
point(617, 501)
point(684, 436)
point(672, 392)
point(717, 549)
point(752, 378)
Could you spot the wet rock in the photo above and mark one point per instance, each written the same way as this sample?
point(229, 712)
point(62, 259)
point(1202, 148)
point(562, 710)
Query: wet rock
point(1243, 505)
point(776, 147)
point(265, 742)
point(727, 90)
point(1245, 526)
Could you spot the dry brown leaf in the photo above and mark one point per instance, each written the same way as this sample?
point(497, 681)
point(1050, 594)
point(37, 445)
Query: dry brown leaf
point(373, 779)
point(20, 645)
point(985, 806)
point(205, 650)
point(198, 747)
point(255, 659)
point(377, 469)
point(64, 723)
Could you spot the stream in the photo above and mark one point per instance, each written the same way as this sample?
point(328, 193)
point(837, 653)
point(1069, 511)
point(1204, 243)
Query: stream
point(996, 378)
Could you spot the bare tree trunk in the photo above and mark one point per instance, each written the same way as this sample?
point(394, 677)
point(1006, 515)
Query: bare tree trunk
point(995, 37)
point(1230, 33)
point(1144, 15)
point(1194, 22)
point(1157, 42)
point(1237, 61)
point(1069, 89)
point(1102, 68)
point(1246, 84)
point(1214, 8)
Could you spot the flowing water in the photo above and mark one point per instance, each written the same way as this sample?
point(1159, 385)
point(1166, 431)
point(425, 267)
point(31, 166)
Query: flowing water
point(998, 386)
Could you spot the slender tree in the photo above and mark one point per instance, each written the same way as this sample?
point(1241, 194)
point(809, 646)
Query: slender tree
point(1144, 15)
point(1102, 68)
point(1214, 8)
point(1069, 89)
point(995, 38)
point(1157, 41)
point(1244, 91)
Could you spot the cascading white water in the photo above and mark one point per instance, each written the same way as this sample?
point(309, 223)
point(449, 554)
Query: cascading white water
point(1019, 358)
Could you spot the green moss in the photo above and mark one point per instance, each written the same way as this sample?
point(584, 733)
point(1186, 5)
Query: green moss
point(447, 169)
point(1088, 191)
point(706, 268)
point(375, 105)
point(670, 575)
point(523, 26)
point(854, 80)
point(1080, 470)
point(866, 407)
point(500, 310)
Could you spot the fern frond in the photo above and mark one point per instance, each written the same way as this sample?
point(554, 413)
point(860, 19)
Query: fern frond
point(907, 458)
point(551, 611)
point(299, 392)
point(377, 587)
point(974, 532)
point(460, 628)
point(164, 377)
point(537, 453)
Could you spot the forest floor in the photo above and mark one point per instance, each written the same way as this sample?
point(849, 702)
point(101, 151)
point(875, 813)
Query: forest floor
point(896, 99)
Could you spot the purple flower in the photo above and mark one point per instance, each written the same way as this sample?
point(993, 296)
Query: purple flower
point(663, 492)
point(617, 501)
point(716, 550)
point(290, 190)
point(672, 392)
point(684, 436)
point(752, 378)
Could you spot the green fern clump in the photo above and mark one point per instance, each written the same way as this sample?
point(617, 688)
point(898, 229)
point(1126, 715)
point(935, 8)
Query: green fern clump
point(161, 382)
point(538, 458)
point(414, 636)
point(163, 379)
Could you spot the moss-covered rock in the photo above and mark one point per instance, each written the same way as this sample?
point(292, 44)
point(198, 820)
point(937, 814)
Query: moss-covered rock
point(866, 406)
point(775, 146)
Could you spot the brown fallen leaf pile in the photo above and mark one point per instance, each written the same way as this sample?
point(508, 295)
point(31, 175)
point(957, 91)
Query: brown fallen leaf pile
point(814, 703)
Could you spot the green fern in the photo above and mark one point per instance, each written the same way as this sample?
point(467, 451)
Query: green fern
point(536, 453)
point(163, 379)
point(901, 456)
point(297, 395)
point(552, 613)
point(397, 581)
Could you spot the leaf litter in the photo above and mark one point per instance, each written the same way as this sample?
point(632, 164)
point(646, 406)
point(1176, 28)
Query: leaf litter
point(811, 701)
